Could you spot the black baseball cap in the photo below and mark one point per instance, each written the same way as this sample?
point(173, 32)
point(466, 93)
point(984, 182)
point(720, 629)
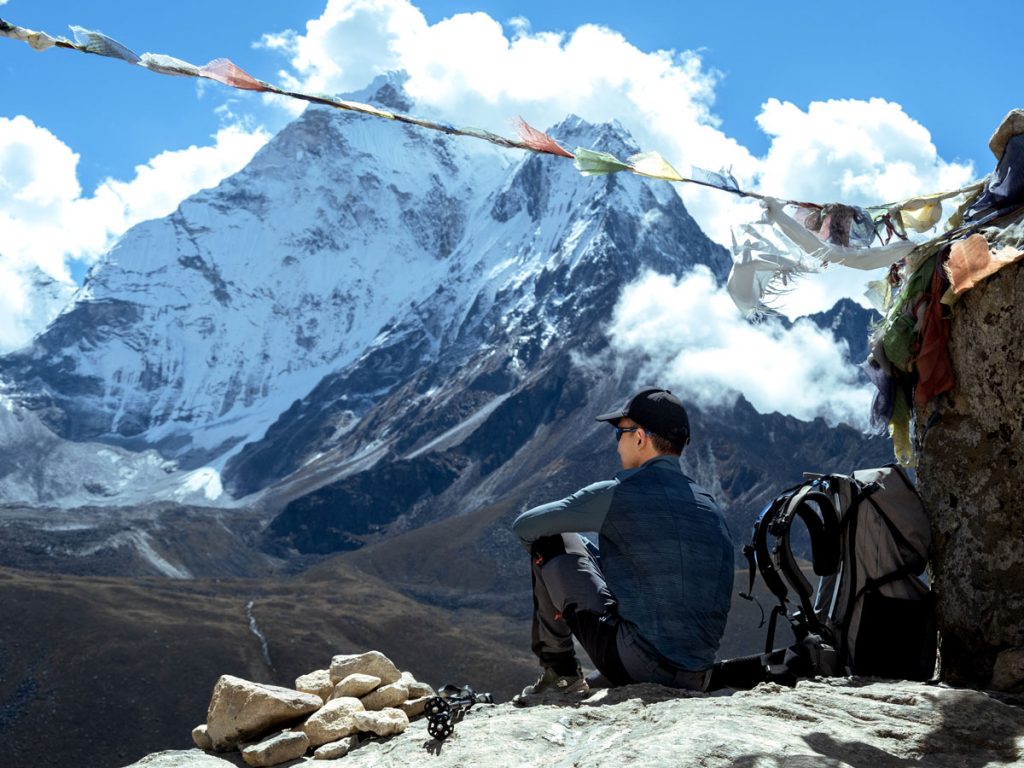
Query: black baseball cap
point(656, 410)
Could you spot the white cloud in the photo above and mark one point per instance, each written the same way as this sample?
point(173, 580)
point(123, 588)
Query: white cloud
point(856, 152)
point(694, 338)
point(860, 152)
point(47, 221)
point(473, 71)
point(468, 68)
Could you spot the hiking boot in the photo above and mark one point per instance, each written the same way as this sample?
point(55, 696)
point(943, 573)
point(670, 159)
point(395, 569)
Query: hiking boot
point(552, 682)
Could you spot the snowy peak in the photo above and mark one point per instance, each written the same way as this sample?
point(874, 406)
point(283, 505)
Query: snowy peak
point(534, 277)
point(386, 90)
point(609, 137)
point(204, 324)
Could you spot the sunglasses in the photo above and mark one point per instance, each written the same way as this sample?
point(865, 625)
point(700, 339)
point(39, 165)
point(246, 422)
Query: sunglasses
point(620, 431)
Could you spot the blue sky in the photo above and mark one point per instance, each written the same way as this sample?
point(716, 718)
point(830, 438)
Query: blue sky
point(929, 58)
point(860, 103)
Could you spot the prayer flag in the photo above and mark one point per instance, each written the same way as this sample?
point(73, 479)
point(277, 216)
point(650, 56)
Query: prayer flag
point(723, 180)
point(98, 43)
point(591, 163)
point(538, 140)
point(168, 65)
point(225, 71)
point(654, 165)
point(39, 41)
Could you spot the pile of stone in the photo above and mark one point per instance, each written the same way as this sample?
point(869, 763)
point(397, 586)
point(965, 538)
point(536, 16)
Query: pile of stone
point(329, 711)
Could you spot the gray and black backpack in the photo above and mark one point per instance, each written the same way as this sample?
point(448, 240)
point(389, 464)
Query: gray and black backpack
point(870, 614)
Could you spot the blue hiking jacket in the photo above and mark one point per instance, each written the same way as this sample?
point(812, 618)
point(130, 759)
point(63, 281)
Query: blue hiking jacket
point(665, 551)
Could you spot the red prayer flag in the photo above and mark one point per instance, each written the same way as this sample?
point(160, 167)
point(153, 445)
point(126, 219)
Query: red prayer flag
point(538, 140)
point(934, 365)
point(224, 71)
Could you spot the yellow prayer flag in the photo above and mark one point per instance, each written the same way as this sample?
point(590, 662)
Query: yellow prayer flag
point(654, 165)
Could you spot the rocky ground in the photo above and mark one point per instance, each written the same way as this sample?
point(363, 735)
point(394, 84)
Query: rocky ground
point(834, 723)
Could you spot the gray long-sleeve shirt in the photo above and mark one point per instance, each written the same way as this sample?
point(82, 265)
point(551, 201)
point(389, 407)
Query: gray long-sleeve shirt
point(666, 554)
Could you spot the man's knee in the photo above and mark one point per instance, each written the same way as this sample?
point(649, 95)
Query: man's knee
point(547, 548)
point(569, 574)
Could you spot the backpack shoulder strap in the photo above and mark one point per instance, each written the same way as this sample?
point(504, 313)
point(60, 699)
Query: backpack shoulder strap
point(758, 555)
point(815, 506)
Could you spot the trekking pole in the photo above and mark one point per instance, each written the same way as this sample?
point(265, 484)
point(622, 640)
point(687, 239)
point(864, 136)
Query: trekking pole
point(449, 707)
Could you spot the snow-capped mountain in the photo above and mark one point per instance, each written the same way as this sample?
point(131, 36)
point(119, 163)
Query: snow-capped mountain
point(542, 261)
point(343, 237)
point(198, 329)
point(372, 326)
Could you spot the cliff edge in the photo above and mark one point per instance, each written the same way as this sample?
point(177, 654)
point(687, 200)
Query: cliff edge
point(825, 722)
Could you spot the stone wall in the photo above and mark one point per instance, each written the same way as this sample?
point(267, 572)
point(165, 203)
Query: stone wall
point(971, 475)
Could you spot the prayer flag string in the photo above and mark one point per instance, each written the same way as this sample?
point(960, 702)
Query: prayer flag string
point(770, 253)
point(228, 73)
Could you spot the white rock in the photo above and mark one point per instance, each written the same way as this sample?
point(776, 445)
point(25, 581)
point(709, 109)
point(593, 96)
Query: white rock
point(370, 663)
point(356, 685)
point(317, 682)
point(201, 738)
point(386, 696)
point(415, 707)
point(416, 688)
point(384, 722)
point(332, 722)
point(241, 710)
point(279, 748)
point(335, 749)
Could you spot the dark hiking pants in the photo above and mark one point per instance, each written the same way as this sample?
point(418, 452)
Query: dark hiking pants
point(571, 598)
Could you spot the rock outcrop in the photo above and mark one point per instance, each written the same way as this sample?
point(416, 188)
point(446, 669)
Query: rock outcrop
point(836, 722)
point(971, 476)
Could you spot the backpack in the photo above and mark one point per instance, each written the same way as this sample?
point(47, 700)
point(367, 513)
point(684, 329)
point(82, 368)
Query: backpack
point(870, 614)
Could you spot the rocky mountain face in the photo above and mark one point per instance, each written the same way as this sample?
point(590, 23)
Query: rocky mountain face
point(198, 329)
point(535, 278)
point(849, 322)
point(40, 469)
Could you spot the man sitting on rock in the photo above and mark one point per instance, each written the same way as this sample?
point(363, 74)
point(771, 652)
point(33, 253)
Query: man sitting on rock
point(651, 606)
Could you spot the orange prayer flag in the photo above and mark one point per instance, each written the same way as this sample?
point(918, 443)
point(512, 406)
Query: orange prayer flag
point(972, 260)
